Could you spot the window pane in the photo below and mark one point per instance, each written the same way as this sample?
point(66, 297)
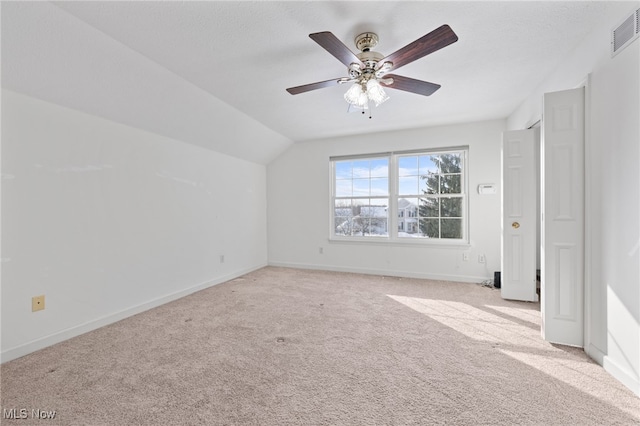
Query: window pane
point(343, 217)
point(408, 185)
point(379, 186)
point(450, 184)
point(343, 213)
point(429, 184)
point(427, 165)
point(451, 207)
point(407, 166)
point(374, 209)
point(343, 169)
point(361, 187)
point(343, 225)
point(357, 205)
point(408, 225)
point(343, 188)
point(430, 227)
point(429, 207)
point(371, 217)
point(379, 167)
point(450, 163)
point(451, 228)
point(361, 169)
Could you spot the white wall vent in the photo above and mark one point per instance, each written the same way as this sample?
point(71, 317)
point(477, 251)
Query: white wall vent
point(625, 33)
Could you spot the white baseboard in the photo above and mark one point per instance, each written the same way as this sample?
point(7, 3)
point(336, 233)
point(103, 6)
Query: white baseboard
point(595, 353)
point(63, 335)
point(625, 377)
point(386, 272)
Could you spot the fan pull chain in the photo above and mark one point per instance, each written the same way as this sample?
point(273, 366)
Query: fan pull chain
point(369, 112)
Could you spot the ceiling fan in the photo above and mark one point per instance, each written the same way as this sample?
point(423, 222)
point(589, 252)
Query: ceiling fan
point(369, 70)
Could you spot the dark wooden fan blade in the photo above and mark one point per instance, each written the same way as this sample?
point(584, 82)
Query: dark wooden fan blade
point(313, 86)
point(411, 85)
point(334, 46)
point(435, 40)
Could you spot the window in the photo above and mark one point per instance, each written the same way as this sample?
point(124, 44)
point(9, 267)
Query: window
point(431, 186)
point(361, 197)
point(406, 196)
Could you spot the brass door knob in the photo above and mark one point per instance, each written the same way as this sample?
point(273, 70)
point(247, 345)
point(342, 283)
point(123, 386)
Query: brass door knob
point(515, 225)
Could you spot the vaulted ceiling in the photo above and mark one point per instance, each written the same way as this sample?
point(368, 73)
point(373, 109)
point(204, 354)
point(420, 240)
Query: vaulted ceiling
point(180, 69)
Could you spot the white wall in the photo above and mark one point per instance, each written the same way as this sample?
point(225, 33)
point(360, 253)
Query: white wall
point(612, 175)
point(106, 220)
point(299, 207)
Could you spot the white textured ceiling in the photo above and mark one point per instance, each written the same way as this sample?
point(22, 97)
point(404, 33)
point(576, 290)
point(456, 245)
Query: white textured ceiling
point(160, 65)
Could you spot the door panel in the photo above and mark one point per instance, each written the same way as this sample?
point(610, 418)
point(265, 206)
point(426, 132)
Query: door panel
point(519, 217)
point(562, 232)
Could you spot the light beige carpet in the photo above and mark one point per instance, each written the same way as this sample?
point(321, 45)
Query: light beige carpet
point(284, 346)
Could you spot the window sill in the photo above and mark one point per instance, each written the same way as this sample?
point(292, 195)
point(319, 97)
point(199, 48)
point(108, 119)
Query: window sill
point(401, 242)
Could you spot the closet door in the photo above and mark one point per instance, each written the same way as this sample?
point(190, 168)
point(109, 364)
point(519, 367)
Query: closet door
point(519, 214)
point(562, 206)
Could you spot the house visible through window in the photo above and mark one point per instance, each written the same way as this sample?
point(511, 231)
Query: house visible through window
point(401, 196)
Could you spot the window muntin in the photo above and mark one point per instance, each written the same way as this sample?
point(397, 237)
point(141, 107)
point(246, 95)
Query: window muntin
point(401, 196)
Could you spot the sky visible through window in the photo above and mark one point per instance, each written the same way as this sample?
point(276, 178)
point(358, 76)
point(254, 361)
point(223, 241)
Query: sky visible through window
point(411, 171)
point(362, 178)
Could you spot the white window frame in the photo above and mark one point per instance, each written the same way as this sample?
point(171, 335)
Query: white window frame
point(392, 215)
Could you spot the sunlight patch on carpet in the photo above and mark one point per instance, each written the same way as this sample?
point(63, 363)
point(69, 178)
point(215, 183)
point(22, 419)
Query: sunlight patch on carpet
point(528, 315)
point(523, 344)
point(471, 321)
point(585, 376)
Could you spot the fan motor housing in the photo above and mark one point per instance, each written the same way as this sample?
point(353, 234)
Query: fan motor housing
point(366, 41)
point(370, 60)
point(369, 56)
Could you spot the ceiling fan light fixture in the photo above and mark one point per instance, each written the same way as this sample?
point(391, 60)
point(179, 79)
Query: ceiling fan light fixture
point(360, 94)
point(357, 97)
point(375, 92)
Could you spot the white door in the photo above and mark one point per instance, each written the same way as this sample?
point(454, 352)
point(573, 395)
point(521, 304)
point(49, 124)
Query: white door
point(562, 207)
point(519, 214)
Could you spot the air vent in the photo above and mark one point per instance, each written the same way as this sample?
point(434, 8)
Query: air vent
point(625, 33)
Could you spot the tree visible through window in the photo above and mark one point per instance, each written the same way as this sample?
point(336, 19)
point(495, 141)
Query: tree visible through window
point(441, 208)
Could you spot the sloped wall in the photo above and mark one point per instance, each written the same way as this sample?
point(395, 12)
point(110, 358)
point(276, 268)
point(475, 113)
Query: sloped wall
point(49, 54)
point(106, 221)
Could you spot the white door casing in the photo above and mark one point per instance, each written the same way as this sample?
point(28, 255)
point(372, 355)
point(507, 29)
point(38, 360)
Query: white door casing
point(519, 214)
point(562, 207)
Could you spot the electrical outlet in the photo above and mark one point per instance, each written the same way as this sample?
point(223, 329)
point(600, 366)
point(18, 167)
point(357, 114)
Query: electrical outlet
point(37, 303)
point(465, 257)
point(481, 258)
point(321, 250)
point(222, 258)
